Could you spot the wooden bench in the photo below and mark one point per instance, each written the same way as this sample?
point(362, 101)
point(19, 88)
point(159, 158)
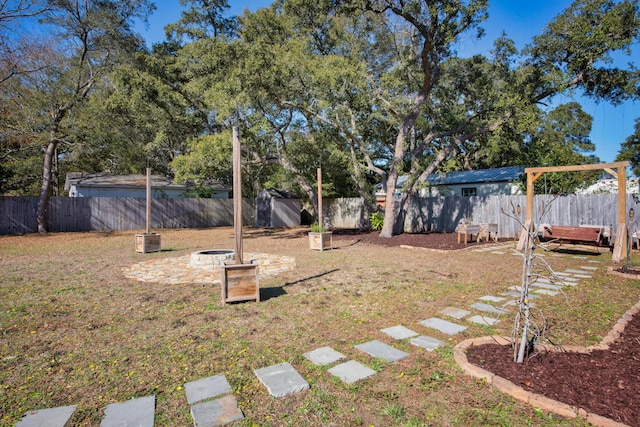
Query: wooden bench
point(581, 235)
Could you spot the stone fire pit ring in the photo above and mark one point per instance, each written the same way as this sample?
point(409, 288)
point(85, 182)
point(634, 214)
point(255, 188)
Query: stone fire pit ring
point(210, 259)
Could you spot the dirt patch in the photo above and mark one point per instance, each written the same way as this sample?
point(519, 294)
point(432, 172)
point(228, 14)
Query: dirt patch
point(603, 382)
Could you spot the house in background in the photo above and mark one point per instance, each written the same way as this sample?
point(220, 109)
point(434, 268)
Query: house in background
point(277, 208)
point(609, 185)
point(79, 184)
point(484, 182)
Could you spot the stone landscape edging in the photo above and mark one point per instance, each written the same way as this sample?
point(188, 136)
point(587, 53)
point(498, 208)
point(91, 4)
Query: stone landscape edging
point(535, 399)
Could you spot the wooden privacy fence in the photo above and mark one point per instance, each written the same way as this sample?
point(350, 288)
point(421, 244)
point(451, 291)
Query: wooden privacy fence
point(18, 214)
point(441, 214)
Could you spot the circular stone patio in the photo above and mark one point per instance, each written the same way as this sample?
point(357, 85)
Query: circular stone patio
point(179, 269)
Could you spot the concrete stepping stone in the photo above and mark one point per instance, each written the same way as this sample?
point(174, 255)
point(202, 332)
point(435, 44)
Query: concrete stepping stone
point(457, 313)
point(379, 349)
point(516, 288)
point(570, 279)
point(135, 412)
point(582, 276)
point(216, 412)
point(497, 253)
point(351, 371)
point(443, 326)
point(52, 417)
point(491, 298)
point(562, 274)
point(574, 272)
point(281, 379)
point(588, 267)
point(518, 294)
point(206, 388)
point(324, 356)
point(399, 332)
point(546, 286)
point(546, 292)
point(483, 320)
point(426, 342)
point(488, 308)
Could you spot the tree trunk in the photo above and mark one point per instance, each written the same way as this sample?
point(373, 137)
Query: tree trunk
point(43, 200)
point(390, 204)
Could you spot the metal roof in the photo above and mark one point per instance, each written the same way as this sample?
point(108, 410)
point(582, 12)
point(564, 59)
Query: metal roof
point(279, 193)
point(506, 174)
point(108, 180)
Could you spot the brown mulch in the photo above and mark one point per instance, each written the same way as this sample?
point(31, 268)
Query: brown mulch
point(442, 241)
point(604, 382)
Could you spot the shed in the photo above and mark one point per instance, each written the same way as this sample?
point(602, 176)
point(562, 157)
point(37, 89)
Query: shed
point(277, 208)
point(79, 184)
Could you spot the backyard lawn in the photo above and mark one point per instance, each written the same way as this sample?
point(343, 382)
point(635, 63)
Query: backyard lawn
point(75, 330)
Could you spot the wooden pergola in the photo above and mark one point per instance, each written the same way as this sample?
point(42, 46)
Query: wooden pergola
point(618, 170)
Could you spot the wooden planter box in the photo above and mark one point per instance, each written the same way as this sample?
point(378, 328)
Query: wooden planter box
point(320, 241)
point(240, 282)
point(147, 242)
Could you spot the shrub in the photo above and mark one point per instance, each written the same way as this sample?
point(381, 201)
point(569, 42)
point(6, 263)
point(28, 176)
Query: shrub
point(377, 221)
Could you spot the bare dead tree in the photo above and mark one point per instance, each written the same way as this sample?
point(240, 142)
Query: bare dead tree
point(530, 324)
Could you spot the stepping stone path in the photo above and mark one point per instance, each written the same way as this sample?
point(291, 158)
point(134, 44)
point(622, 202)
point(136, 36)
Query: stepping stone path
point(213, 404)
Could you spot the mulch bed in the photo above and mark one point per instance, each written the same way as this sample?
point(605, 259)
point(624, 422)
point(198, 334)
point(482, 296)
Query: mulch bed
point(441, 241)
point(603, 382)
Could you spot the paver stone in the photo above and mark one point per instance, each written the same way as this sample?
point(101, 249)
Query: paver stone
point(206, 388)
point(135, 412)
point(351, 371)
point(379, 349)
point(216, 412)
point(443, 326)
point(281, 379)
point(324, 356)
point(51, 417)
point(399, 332)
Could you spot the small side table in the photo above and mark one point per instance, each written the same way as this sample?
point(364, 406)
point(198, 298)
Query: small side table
point(467, 230)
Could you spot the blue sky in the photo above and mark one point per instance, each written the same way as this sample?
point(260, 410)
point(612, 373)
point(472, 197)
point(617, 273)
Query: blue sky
point(520, 20)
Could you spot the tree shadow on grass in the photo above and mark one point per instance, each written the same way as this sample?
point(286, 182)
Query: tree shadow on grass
point(278, 291)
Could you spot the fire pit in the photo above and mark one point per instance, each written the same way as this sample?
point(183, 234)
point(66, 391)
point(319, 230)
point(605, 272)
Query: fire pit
point(210, 259)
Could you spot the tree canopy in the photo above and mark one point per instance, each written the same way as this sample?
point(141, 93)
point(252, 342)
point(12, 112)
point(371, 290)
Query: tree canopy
point(369, 90)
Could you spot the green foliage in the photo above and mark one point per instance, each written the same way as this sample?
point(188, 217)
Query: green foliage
point(377, 221)
point(317, 228)
point(630, 149)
